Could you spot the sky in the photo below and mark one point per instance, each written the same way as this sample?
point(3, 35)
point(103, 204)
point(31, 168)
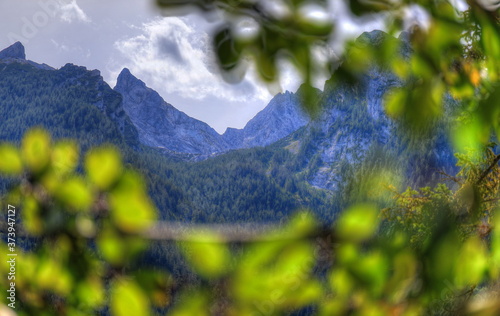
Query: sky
point(172, 55)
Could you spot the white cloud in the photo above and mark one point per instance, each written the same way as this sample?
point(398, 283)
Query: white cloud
point(173, 55)
point(60, 46)
point(70, 11)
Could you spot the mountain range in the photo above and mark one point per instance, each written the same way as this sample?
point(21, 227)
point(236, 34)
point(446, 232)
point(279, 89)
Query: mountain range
point(281, 160)
point(162, 126)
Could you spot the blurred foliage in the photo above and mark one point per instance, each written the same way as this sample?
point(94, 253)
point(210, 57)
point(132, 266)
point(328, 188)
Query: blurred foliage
point(79, 234)
point(436, 252)
point(268, 32)
point(447, 51)
point(76, 232)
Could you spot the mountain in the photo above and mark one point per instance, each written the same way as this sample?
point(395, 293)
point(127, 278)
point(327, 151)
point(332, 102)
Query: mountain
point(74, 102)
point(289, 161)
point(69, 102)
point(16, 53)
point(353, 135)
point(163, 126)
point(281, 117)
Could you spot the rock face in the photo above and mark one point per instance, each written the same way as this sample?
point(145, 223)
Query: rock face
point(163, 126)
point(279, 119)
point(353, 130)
point(16, 54)
point(16, 51)
point(351, 125)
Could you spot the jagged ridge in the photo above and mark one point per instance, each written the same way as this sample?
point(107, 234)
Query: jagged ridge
point(16, 53)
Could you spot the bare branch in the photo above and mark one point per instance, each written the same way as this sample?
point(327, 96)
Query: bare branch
point(487, 171)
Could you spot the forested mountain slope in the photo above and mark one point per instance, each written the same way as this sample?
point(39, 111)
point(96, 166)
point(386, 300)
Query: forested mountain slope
point(353, 134)
point(73, 102)
point(316, 166)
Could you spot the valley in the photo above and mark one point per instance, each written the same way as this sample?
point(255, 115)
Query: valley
point(280, 162)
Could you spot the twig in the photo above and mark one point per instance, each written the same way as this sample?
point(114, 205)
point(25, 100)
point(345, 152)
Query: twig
point(487, 171)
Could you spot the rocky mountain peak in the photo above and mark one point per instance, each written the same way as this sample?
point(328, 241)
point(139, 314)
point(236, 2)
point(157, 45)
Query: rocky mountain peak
point(126, 80)
point(125, 75)
point(281, 117)
point(15, 50)
point(161, 125)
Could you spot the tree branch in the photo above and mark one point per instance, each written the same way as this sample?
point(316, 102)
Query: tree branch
point(487, 171)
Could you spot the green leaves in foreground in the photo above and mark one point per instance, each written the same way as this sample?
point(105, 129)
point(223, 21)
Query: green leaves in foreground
point(131, 209)
point(267, 35)
point(208, 255)
point(127, 298)
point(358, 223)
point(103, 166)
point(36, 149)
point(91, 227)
point(88, 224)
point(10, 163)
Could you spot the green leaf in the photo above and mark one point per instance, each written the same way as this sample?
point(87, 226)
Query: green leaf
point(103, 166)
point(52, 275)
point(32, 221)
point(470, 135)
point(495, 245)
point(309, 99)
point(444, 260)
point(297, 260)
point(131, 208)
point(112, 247)
point(358, 223)
point(266, 65)
point(156, 285)
point(192, 303)
point(361, 7)
point(404, 275)
point(75, 194)
point(209, 259)
point(118, 249)
point(36, 149)
point(373, 270)
point(313, 20)
point(395, 102)
point(299, 225)
point(227, 49)
point(10, 160)
point(91, 292)
point(341, 282)
point(127, 298)
point(65, 157)
point(473, 262)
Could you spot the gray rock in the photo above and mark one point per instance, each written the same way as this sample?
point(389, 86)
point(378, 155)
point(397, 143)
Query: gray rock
point(16, 54)
point(15, 51)
point(353, 131)
point(279, 119)
point(161, 125)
